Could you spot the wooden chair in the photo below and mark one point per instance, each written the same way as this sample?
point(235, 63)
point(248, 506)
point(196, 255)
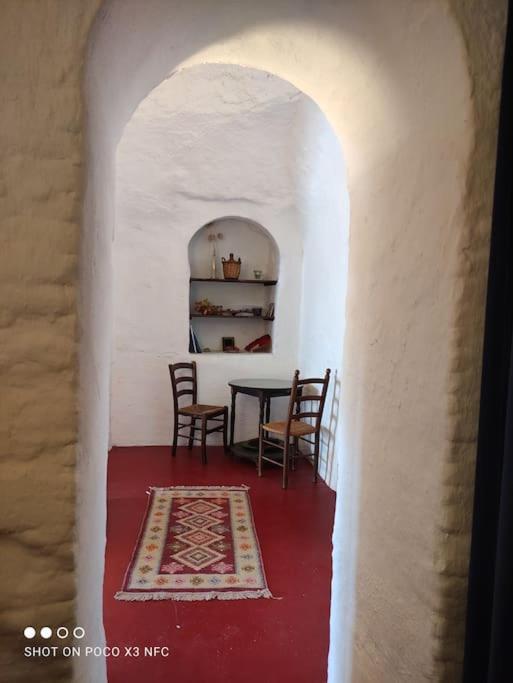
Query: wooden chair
point(295, 428)
point(195, 411)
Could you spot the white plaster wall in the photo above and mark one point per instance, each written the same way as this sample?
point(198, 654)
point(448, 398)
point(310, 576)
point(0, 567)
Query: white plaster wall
point(95, 331)
point(392, 79)
point(324, 216)
point(208, 142)
point(252, 119)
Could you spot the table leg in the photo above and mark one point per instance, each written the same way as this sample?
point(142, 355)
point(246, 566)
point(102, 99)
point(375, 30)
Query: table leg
point(262, 401)
point(232, 416)
point(268, 410)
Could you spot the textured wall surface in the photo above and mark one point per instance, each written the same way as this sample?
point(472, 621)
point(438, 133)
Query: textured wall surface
point(42, 48)
point(42, 51)
point(210, 141)
point(397, 107)
point(482, 24)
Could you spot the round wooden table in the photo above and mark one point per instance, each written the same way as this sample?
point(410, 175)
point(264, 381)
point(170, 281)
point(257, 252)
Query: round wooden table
point(264, 390)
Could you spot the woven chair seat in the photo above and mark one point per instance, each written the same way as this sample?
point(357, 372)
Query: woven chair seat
point(303, 393)
point(297, 428)
point(199, 409)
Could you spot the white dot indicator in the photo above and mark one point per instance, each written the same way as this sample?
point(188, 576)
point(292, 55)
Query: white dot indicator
point(78, 632)
point(62, 632)
point(29, 632)
point(46, 632)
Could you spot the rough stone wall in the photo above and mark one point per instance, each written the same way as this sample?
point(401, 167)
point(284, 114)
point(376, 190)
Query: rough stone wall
point(483, 26)
point(42, 45)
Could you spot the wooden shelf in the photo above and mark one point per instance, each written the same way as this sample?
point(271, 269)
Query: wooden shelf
point(219, 352)
point(265, 283)
point(231, 317)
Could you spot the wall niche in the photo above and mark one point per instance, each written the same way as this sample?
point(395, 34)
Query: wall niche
point(232, 312)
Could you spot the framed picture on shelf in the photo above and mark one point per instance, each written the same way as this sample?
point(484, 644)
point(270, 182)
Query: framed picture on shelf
point(228, 343)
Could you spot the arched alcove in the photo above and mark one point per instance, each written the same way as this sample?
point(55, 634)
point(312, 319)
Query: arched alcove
point(233, 317)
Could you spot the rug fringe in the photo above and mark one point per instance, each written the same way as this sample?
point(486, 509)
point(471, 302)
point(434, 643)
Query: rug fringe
point(242, 487)
point(210, 595)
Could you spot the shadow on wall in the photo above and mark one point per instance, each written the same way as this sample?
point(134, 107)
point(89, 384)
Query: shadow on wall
point(329, 425)
point(329, 433)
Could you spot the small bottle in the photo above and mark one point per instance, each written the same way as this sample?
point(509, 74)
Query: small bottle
point(213, 263)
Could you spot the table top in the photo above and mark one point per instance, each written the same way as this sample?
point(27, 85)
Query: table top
point(262, 384)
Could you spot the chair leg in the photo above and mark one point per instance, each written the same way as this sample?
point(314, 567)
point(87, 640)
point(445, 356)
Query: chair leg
point(294, 454)
point(204, 440)
point(316, 459)
point(260, 450)
point(225, 430)
point(191, 433)
point(175, 436)
point(285, 464)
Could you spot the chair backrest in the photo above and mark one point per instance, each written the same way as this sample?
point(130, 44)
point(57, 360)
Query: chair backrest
point(298, 399)
point(183, 383)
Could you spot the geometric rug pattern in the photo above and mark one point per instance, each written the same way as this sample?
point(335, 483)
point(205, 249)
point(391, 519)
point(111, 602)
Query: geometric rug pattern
point(196, 543)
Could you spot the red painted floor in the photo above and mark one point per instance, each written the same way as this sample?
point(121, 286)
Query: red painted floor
point(268, 641)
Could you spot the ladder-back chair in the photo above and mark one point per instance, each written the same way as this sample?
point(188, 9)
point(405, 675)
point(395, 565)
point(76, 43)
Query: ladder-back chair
point(184, 383)
point(290, 431)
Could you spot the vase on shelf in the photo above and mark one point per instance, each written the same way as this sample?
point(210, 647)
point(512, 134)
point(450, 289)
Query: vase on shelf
point(231, 268)
point(213, 263)
point(213, 237)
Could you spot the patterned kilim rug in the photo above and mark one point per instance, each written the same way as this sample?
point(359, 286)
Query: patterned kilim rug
point(196, 543)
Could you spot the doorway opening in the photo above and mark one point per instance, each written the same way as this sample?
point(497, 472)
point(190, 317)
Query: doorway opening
point(357, 72)
point(245, 146)
point(225, 140)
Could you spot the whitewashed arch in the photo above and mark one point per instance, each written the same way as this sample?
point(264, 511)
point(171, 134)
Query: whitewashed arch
point(392, 80)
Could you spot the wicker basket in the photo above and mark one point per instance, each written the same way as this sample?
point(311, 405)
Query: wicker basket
point(231, 268)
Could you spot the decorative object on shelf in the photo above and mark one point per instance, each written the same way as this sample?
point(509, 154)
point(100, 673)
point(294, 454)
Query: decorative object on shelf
point(231, 268)
point(258, 274)
point(213, 238)
point(268, 314)
point(260, 345)
point(206, 307)
point(228, 343)
point(244, 312)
